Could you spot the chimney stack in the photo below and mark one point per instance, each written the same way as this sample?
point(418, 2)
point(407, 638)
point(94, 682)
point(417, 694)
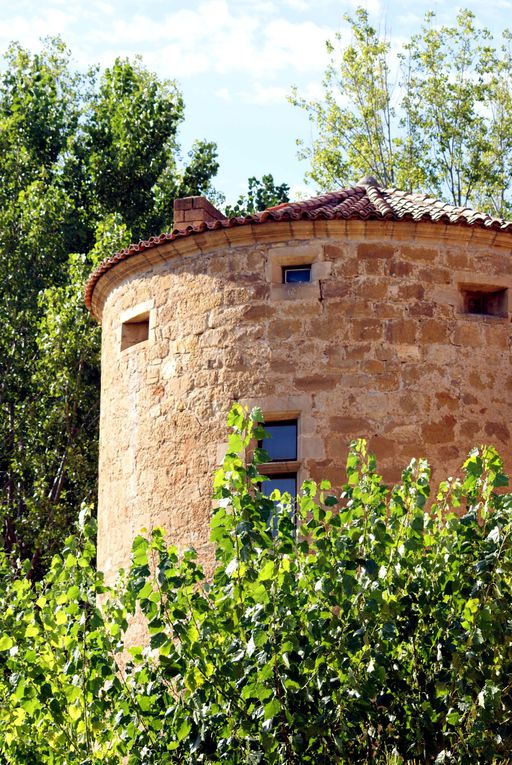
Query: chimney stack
point(191, 211)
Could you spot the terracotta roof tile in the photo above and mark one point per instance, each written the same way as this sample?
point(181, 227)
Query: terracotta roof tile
point(366, 201)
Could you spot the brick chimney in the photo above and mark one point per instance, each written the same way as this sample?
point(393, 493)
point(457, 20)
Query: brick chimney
point(190, 211)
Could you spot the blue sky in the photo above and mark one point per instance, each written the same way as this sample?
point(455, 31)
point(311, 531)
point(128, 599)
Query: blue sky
point(235, 61)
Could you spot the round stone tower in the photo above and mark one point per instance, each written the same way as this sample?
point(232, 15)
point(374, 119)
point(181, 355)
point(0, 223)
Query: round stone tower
point(363, 312)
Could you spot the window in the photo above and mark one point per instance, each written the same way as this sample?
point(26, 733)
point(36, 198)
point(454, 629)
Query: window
point(134, 331)
point(485, 301)
point(281, 446)
point(282, 481)
point(285, 482)
point(296, 274)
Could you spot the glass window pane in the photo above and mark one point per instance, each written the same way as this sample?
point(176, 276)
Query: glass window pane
point(284, 483)
point(282, 443)
point(296, 274)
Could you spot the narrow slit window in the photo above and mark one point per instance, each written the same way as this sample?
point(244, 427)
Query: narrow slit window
point(134, 331)
point(485, 301)
point(296, 274)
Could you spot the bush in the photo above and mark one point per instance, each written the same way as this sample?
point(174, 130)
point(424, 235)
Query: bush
point(376, 628)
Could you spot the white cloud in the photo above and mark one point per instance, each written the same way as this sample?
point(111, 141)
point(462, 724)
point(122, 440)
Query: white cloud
point(373, 7)
point(212, 37)
point(29, 29)
point(224, 94)
point(252, 38)
point(312, 91)
point(259, 7)
point(301, 191)
point(264, 94)
point(299, 46)
point(75, 21)
point(298, 5)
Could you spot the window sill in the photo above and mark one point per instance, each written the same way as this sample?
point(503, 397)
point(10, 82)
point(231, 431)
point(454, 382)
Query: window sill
point(481, 316)
point(273, 468)
point(134, 347)
point(298, 291)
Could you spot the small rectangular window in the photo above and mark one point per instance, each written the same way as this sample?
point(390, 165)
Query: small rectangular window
point(281, 445)
point(134, 331)
point(296, 274)
point(485, 301)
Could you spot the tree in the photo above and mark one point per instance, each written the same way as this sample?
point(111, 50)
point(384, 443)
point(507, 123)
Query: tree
point(260, 195)
point(370, 628)
point(88, 163)
point(444, 130)
point(130, 152)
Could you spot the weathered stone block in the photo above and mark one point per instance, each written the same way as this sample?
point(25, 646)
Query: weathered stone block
point(366, 329)
point(401, 331)
point(375, 250)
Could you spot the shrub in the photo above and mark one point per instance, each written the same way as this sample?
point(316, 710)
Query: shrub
point(373, 627)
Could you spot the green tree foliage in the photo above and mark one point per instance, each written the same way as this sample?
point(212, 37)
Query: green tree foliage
point(260, 195)
point(438, 121)
point(88, 162)
point(374, 629)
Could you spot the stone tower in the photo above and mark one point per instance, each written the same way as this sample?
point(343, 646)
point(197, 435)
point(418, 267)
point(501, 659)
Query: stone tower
point(362, 312)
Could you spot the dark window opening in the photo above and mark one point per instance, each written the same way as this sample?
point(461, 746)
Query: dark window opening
point(281, 443)
point(296, 274)
point(134, 331)
point(485, 302)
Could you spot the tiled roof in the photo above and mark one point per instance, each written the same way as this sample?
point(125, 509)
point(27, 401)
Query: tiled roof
point(366, 201)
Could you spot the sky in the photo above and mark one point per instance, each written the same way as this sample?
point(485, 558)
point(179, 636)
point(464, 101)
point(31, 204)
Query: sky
point(234, 60)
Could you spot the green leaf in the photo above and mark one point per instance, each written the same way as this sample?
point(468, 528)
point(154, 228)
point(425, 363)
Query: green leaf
point(272, 709)
point(183, 730)
point(268, 571)
point(6, 642)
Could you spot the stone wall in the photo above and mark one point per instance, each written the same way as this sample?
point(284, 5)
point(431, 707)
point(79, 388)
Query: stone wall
point(376, 346)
